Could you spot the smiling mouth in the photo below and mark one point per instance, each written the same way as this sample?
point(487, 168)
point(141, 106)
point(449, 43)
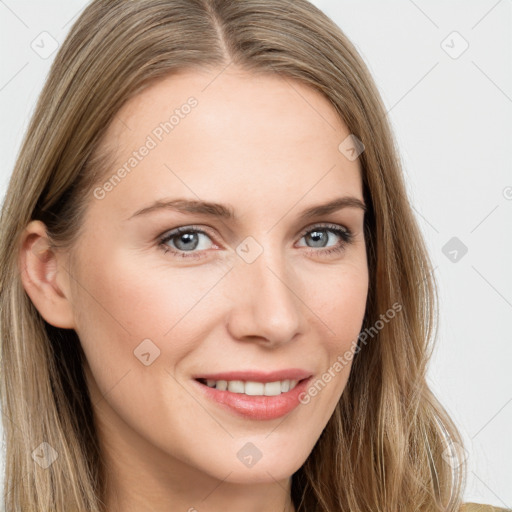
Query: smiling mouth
point(252, 388)
point(254, 400)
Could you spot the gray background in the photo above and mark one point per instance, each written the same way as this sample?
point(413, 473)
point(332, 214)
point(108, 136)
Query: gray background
point(451, 111)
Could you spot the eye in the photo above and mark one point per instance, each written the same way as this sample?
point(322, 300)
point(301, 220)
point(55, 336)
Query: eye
point(191, 242)
point(185, 240)
point(321, 235)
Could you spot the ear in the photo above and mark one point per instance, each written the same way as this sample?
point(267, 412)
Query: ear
point(45, 277)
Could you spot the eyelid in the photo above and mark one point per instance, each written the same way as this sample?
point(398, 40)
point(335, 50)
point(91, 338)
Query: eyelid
point(186, 229)
point(324, 225)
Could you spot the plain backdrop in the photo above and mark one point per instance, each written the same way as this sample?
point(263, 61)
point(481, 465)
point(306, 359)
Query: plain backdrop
point(444, 70)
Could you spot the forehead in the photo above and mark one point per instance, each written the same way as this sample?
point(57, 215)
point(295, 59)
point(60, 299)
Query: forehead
point(219, 88)
point(230, 135)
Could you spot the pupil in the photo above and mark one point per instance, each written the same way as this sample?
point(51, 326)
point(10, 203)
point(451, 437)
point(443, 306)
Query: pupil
point(187, 237)
point(317, 236)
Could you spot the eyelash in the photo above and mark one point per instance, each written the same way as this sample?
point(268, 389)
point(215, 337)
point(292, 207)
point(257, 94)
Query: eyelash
point(344, 233)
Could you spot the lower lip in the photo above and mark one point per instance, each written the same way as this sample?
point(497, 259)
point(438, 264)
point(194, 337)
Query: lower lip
point(256, 407)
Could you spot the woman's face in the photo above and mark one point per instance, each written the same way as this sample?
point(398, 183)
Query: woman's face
point(270, 288)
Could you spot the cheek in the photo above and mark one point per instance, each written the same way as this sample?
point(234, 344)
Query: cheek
point(127, 318)
point(119, 306)
point(340, 303)
point(339, 298)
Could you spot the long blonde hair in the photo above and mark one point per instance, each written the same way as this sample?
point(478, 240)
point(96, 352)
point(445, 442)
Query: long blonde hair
point(384, 448)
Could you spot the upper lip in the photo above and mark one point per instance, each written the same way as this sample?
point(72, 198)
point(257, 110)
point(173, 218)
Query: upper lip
point(258, 376)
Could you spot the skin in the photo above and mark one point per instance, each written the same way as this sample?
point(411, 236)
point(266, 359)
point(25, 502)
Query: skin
point(268, 148)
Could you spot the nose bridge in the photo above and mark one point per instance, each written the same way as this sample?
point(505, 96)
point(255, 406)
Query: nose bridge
point(266, 305)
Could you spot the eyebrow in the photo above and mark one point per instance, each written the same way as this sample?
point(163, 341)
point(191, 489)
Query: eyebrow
point(226, 212)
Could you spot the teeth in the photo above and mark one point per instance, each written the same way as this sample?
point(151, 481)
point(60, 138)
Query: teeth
point(253, 388)
point(272, 389)
point(236, 386)
point(222, 385)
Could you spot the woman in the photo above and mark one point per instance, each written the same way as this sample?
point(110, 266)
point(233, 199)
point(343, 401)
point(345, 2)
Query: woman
point(276, 363)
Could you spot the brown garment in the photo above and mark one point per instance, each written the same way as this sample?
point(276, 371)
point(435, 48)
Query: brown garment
point(477, 507)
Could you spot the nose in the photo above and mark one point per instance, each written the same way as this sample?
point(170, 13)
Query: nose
point(266, 306)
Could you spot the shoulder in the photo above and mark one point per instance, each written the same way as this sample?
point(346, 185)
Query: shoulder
point(477, 507)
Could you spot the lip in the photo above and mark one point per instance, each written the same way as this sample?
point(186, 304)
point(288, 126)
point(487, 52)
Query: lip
point(254, 407)
point(258, 376)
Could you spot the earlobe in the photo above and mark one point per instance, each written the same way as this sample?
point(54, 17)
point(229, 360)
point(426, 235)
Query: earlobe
point(44, 277)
